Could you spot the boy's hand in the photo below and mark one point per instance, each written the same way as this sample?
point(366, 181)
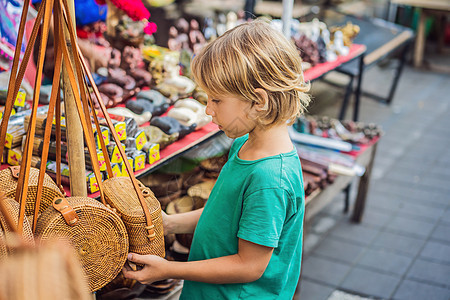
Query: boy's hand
point(154, 268)
point(166, 223)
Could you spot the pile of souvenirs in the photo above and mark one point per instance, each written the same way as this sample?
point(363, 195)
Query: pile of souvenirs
point(153, 103)
point(329, 147)
point(317, 43)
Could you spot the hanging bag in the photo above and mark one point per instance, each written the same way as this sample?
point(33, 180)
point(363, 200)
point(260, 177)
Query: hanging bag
point(8, 184)
point(9, 216)
point(97, 233)
point(9, 177)
point(140, 210)
point(49, 271)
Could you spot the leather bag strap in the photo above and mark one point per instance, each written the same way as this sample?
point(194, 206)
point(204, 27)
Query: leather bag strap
point(22, 184)
point(14, 82)
point(69, 215)
point(58, 141)
point(150, 227)
point(87, 129)
point(48, 125)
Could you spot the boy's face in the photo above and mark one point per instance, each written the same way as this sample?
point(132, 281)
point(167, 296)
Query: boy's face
point(231, 114)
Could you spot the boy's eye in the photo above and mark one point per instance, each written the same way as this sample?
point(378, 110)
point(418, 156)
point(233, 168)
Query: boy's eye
point(215, 100)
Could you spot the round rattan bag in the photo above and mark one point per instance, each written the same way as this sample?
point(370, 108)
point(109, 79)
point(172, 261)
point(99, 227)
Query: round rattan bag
point(99, 237)
point(13, 209)
point(120, 194)
point(8, 184)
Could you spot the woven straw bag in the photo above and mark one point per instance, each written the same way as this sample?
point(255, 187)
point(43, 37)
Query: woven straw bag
point(96, 232)
point(117, 194)
point(99, 237)
point(13, 209)
point(8, 184)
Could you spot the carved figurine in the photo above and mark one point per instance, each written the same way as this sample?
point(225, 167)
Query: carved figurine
point(196, 38)
point(231, 20)
point(190, 111)
point(173, 84)
point(174, 43)
point(338, 44)
point(221, 24)
point(349, 32)
point(210, 32)
point(133, 64)
point(183, 32)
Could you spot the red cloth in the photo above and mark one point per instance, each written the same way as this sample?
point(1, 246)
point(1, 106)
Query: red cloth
point(135, 9)
point(84, 34)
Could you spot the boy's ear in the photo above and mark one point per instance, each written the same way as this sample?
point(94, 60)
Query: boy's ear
point(263, 100)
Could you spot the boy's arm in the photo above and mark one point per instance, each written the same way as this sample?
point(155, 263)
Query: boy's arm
point(246, 266)
point(181, 223)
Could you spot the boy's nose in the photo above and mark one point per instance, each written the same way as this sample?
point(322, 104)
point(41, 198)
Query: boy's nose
point(209, 111)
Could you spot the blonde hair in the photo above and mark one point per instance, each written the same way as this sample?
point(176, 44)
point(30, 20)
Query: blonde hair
point(250, 56)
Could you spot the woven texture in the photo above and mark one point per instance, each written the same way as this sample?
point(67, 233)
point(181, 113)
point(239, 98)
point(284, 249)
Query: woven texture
point(99, 237)
point(120, 194)
point(13, 208)
point(50, 190)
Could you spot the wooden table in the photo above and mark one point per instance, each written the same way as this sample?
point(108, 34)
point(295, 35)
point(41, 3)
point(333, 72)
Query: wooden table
point(320, 198)
point(426, 8)
point(381, 39)
point(356, 57)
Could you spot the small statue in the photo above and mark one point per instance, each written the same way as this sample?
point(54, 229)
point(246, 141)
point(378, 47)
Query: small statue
point(132, 58)
point(338, 44)
point(133, 64)
point(330, 54)
point(240, 17)
point(349, 32)
point(173, 84)
point(189, 111)
point(183, 32)
point(231, 20)
point(114, 59)
point(174, 42)
point(196, 38)
point(308, 49)
point(221, 24)
point(209, 32)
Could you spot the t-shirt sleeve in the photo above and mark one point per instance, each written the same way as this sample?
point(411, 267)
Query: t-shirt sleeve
point(263, 216)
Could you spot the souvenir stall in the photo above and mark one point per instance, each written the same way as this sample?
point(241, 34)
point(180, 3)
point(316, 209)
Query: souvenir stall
point(137, 110)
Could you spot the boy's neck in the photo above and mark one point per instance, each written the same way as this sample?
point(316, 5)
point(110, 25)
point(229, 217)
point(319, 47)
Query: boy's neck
point(266, 142)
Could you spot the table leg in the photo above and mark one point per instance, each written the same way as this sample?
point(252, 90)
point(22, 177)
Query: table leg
point(347, 191)
point(249, 9)
point(358, 88)
point(398, 72)
point(363, 188)
point(348, 94)
point(420, 40)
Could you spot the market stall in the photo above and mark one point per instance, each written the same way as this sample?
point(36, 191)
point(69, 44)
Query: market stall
point(138, 110)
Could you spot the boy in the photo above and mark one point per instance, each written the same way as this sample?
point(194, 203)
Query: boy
point(248, 240)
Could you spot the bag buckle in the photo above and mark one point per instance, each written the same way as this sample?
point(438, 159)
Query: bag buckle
point(63, 206)
point(15, 170)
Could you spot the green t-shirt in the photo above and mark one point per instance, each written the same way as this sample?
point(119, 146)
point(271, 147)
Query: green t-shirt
point(261, 201)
